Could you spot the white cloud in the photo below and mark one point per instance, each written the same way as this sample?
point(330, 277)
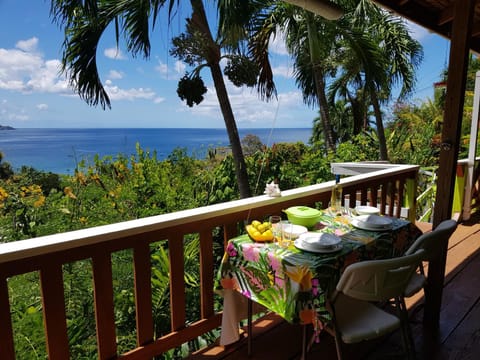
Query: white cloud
point(180, 67)
point(161, 68)
point(42, 107)
point(159, 100)
point(114, 74)
point(45, 79)
point(277, 44)
point(114, 53)
point(28, 45)
point(283, 71)
point(116, 93)
point(27, 72)
point(418, 32)
point(10, 113)
point(248, 109)
point(170, 71)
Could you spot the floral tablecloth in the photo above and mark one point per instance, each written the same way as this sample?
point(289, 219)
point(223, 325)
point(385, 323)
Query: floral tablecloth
point(293, 283)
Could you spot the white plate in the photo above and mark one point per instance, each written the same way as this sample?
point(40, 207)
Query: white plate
point(322, 241)
point(367, 210)
point(299, 244)
point(372, 222)
point(295, 231)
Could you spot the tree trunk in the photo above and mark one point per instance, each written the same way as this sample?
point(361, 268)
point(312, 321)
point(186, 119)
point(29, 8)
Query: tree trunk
point(240, 167)
point(380, 130)
point(316, 58)
point(324, 113)
point(213, 59)
point(358, 113)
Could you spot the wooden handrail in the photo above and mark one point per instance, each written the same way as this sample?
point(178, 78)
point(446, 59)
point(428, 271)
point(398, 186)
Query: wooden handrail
point(47, 255)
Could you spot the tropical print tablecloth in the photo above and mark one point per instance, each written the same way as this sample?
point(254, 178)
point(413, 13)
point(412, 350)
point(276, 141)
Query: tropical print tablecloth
point(294, 283)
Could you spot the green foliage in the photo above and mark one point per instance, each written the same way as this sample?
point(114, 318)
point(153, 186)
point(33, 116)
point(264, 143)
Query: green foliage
point(120, 188)
point(361, 147)
point(5, 168)
point(251, 144)
point(408, 145)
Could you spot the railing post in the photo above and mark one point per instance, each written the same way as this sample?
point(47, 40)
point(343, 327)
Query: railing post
point(459, 190)
point(6, 332)
point(410, 199)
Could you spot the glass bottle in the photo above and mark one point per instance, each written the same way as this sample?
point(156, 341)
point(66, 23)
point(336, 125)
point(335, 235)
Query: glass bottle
point(336, 197)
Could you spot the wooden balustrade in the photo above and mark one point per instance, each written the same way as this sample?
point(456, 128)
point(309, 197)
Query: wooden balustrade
point(48, 255)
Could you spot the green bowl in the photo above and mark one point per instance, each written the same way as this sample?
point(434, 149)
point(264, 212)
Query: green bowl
point(303, 215)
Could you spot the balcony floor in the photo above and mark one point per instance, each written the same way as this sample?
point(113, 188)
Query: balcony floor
point(458, 338)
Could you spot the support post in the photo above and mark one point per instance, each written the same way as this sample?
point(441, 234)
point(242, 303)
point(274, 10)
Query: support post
point(455, 96)
point(472, 151)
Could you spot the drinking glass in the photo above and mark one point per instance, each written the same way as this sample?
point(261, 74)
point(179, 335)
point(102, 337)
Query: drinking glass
point(275, 220)
point(287, 234)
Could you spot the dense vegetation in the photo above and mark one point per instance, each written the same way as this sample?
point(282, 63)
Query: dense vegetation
point(124, 187)
point(119, 188)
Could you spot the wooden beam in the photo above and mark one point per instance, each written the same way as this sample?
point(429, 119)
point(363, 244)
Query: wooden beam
point(457, 71)
point(446, 15)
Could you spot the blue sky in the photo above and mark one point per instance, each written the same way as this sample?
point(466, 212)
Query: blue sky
point(143, 92)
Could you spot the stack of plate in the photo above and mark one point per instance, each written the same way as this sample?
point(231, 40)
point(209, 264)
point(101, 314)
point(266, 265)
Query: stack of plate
point(367, 210)
point(372, 222)
point(318, 242)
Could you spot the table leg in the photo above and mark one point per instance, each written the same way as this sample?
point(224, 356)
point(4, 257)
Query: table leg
point(249, 327)
point(304, 342)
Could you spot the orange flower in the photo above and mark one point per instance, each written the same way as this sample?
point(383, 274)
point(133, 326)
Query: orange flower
point(69, 192)
point(301, 275)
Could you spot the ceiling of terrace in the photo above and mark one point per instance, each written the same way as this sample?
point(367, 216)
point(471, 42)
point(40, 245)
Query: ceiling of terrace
point(436, 15)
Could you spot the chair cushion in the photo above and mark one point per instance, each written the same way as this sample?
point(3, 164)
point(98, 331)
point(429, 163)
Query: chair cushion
point(359, 320)
point(416, 283)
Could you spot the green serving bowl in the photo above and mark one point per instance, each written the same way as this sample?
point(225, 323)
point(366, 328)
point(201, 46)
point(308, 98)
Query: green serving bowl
point(303, 215)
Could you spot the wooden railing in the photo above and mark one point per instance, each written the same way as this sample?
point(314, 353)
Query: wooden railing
point(47, 256)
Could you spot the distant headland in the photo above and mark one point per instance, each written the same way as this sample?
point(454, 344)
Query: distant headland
point(6, 127)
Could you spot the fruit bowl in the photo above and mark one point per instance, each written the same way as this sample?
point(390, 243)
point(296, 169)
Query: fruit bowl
point(260, 232)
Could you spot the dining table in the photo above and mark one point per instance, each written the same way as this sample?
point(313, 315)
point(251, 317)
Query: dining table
point(295, 283)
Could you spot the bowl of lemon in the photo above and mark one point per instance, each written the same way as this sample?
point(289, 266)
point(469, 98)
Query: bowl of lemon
point(260, 231)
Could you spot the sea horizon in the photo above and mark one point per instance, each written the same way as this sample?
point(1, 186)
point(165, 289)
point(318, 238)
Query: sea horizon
point(58, 150)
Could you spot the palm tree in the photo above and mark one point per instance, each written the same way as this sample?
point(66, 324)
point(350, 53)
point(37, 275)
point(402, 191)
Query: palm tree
point(399, 55)
point(314, 43)
point(85, 23)
point(359, 54)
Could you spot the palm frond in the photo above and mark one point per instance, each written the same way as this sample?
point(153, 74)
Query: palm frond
point(79, 60)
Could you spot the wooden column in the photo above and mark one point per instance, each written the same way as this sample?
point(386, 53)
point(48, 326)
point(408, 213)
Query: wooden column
point(457, 70)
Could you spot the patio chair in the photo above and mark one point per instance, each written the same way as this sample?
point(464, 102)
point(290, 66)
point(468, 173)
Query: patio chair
point(432, 242)
point(355, 316)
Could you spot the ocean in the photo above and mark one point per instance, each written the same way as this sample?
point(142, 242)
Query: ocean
point(58, 150)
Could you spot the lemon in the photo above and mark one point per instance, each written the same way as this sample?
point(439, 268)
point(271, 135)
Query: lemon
point(257, 233)
point(261, 228)
point(255, 223)
point(267, 225)
point(268, 233)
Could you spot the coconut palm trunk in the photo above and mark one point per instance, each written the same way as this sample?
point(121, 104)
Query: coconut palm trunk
point(230, 124)
point(382, 142)
point(324, 110)
point(199, 19)
point(317, 56)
